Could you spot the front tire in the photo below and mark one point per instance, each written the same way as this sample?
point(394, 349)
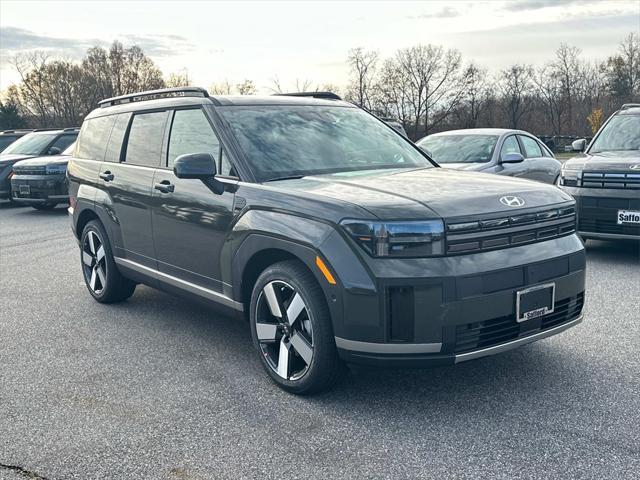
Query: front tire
point(101, 276)
point(291, 329)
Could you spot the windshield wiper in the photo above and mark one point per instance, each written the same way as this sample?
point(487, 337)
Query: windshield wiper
point(289, 177)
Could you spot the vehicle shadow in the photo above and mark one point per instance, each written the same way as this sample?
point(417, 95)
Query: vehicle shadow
point(524, 375)
point(6, 204)
point(623, 251)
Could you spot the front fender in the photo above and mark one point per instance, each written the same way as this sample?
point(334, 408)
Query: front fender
point(260, 230)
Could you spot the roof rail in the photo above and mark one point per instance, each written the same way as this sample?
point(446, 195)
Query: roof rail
point(630, 105)
point(154, 95)
point(323, 95)
point(44, 129)
point(71, 129)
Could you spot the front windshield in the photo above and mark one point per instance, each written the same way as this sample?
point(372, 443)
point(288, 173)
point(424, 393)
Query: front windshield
point(460, 148)
point(622, 132)
point(284, 141)
point(31, 144)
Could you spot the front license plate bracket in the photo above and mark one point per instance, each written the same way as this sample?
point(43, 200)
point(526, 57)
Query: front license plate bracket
point(534, 302)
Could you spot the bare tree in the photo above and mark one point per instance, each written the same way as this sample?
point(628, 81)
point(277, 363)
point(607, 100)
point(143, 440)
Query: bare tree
point(276, 85)
point(567, 68)
point(515, 85)
point(362, 65)
point(246, 88)
point(474, 96)
point(222, 88)
point(179, 79)
point(549, 89)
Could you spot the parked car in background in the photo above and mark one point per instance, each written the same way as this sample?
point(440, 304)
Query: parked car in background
point(7, 137)
point(493, 150)
point(42, 181)
point(336, 236)
point(34, 144)
point(605, 178)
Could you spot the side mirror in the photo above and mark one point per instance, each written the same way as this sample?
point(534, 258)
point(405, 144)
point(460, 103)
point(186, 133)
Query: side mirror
point(54, 151)
point(513, 157)
point(579, 145)
point(195, 165)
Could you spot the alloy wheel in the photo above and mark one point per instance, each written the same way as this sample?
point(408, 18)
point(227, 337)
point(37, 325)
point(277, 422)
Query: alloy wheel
point(284, 330)
point(94, 263)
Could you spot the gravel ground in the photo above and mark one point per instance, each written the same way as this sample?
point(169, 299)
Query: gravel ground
point(162, 388)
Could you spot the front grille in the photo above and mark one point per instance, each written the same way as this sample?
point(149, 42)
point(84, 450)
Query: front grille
point(477, 335)
point(29, 170)
point(501, 232)
point(620, 180)
point(600, 215)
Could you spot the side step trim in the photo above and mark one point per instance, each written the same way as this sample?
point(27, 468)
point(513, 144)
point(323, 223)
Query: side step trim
point(182, 284)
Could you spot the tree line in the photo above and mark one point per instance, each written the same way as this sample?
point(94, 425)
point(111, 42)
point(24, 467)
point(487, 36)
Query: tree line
point(428, 88)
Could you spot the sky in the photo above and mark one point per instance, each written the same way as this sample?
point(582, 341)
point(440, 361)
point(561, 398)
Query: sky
point(304, 40)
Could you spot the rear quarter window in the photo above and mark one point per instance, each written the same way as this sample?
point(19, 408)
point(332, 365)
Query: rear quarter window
point(93, 138)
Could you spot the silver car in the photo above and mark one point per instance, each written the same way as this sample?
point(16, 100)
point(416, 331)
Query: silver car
point(493, 150)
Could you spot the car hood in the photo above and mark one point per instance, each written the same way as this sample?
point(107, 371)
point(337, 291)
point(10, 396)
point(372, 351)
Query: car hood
point(46, 160)
point(403, 194)
point(8, 158)
point(472, 166)
point(621, 160)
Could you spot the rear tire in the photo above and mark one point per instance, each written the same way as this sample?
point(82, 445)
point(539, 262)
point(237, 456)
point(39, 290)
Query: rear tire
point(101, 275)
point(292, 331)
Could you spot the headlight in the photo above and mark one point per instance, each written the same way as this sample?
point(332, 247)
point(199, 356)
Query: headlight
point(398, 239)
point(570, 176)
point(56, 169)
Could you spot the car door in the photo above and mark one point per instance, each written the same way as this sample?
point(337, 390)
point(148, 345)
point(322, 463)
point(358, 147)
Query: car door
point(511, 145)
point(128, 183)
point(190, 222)
point(534, 159)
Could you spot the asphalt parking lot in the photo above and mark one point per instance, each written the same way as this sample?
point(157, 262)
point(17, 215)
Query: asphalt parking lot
point(161, 388)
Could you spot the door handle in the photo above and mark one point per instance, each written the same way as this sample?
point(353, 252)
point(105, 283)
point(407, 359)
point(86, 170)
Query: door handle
point(165, 186)
point(106, 176)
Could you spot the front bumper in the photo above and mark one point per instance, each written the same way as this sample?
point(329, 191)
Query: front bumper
point(42, 189)
point(446, 310)
point(597, 210)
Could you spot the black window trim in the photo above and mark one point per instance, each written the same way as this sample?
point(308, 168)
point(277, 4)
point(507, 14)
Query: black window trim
point(505, 141)
point(523, 150)
point(169, 127)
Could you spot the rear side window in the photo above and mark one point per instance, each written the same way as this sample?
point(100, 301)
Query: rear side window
point(531, 147)
point(510, 145)
point(93, 138)
point(62, 143)
point(192, 133)
point(118, 133)
point(5, 141)
point(144, 146)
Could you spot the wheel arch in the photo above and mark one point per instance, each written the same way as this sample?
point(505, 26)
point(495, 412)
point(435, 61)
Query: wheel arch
point(84, 217)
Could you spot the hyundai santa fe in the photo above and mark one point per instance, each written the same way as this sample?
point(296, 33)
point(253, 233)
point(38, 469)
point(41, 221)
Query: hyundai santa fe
point(336, 237)
point(605, 178)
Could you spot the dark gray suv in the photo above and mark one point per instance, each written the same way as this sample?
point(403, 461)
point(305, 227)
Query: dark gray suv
point(605, 178)
point(335, 236)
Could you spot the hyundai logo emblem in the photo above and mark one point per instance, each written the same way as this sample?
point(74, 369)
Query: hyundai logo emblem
point(512, 201)
point(635, 167)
